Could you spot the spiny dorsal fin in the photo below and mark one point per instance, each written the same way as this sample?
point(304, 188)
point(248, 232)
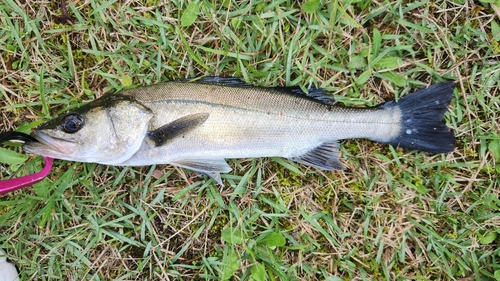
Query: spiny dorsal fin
point(176, 128)
point(227, 81)
point(316, 94)
point(325, 157)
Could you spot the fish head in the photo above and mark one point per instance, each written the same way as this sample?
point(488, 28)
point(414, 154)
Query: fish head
point(108, 130)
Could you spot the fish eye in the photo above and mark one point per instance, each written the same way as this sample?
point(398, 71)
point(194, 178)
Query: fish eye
point(72, 123)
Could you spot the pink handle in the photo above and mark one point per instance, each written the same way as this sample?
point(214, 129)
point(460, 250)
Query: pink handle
point(17, 183)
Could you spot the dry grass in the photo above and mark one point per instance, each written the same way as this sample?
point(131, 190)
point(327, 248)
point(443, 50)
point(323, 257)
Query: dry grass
point(392, 215)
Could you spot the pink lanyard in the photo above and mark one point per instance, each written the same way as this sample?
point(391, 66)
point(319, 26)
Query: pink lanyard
point(17, 183)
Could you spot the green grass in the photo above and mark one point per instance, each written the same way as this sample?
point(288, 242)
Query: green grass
point(393, 214)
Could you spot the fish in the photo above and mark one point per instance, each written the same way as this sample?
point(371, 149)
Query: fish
point(199, 123)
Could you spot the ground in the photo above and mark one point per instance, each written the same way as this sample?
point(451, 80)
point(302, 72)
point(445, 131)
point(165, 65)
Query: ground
point(393, 214)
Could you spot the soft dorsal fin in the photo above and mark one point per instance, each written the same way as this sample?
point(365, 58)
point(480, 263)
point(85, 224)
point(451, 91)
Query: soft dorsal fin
point(316, 94)
point(325, 157)
point(177, 127)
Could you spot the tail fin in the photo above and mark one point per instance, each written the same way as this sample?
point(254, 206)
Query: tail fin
point(422, 125)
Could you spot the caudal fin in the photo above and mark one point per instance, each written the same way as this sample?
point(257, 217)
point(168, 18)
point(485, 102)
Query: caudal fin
point(422, 125)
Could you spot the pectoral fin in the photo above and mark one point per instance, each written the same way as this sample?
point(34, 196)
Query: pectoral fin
point(325, 157)
point(177, 128)
point(209, 167)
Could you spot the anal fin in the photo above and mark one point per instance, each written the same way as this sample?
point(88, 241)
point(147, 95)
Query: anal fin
point(325, 157)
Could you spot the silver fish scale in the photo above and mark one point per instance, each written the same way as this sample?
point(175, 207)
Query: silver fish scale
point(251, 122)
point(250, 98)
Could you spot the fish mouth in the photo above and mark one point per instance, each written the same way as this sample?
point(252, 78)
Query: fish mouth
point(53, 143)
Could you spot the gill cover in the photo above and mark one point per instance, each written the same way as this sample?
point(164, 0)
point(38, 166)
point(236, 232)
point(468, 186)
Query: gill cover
point(108, 130)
